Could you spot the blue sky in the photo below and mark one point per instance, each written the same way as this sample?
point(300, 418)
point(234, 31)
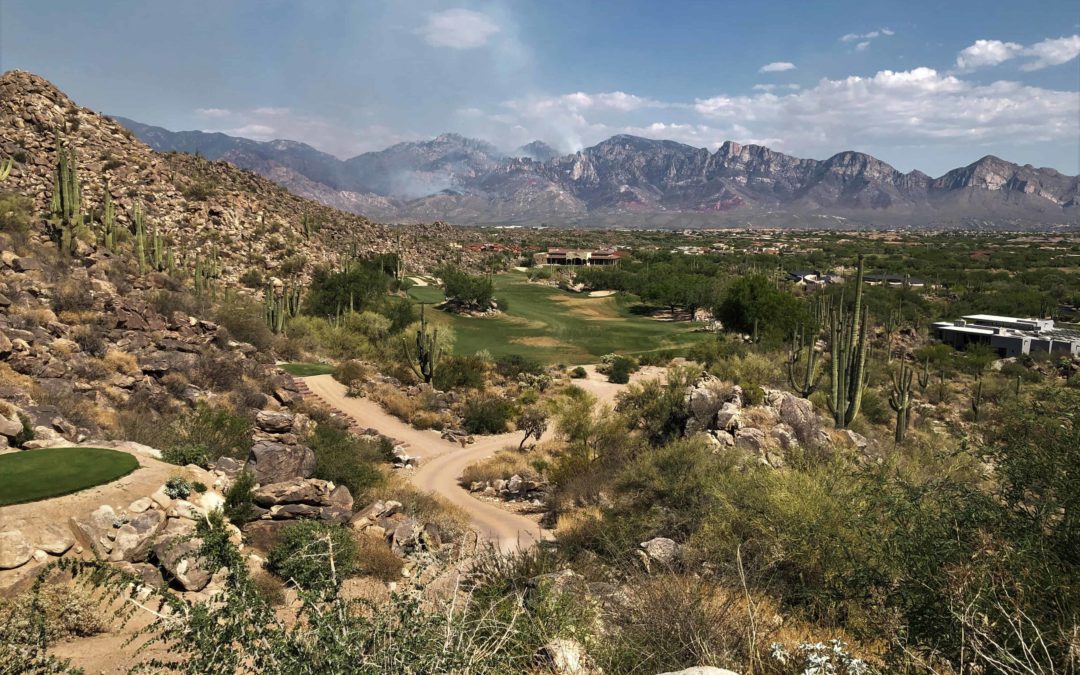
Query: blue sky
point(921, 85)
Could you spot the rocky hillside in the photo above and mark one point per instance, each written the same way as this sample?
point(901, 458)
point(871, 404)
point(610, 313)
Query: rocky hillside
point(199, 205)
point(631, 180)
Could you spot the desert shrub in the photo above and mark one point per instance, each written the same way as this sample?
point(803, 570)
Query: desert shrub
point(183, 454)
point(198, 486)
point(239, 499)
point(451, 521)
point(178, 488)
point(346, 460)
point(269, 588)
point(166, 302)
point(658, 409)
point(16, 214)
point(753, 393)
point(199, 190)
point(350, 371)
point(502, 465)
point(219, 371)
point(464, 288)
point(245, 320)
point(578, 373)
point(375, 559)
point(513, 365)
point(620, 370)
point(71, 297)
point(460, 372)
point(90, 340)
point(486, 414)
point(175, 383)
point(875, 408)
point(252, 278)
point(58, 612)
point(301, 556)
point(754, 368)
point(221, 432)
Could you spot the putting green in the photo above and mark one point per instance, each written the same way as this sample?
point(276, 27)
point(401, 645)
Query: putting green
point(307, 369)
point(34, 475)
point(556, 326)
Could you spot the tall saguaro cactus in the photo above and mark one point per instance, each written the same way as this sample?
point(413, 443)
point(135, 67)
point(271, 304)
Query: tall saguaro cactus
point(847, 346)
point(67, 213)
point(427, 354)
point(109, 231)
point(5, 168)
point(900, 399)
point(803, 379)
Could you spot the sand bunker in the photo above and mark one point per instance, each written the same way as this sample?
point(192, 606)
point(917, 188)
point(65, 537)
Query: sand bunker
point(601, 294)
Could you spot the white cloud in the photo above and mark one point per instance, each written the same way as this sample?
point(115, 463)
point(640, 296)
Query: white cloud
point(458, 29)
point(213, 112)
point(1049, 52)
point(271, 112)
point(1052, 52)
point(777, 67)
point(862, 46)
point(258, 132)
point(881, 32)
point(986, 53)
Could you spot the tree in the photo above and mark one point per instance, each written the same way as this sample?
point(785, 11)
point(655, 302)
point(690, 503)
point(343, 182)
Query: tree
point(358, 288)
point(754, 303)
point(533, 421)
point(466, 289)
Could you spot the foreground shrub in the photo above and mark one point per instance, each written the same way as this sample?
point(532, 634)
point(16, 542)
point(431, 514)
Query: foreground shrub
point(460, 372)
point(486, 415)
point(346, 460)
point(302, 551)
point(239, 499)
point(217, 430)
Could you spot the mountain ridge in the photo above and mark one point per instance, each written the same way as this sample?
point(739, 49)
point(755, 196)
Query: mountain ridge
point(633, 180)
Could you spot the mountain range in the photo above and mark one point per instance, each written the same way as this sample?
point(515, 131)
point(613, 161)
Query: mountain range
point(632, 181)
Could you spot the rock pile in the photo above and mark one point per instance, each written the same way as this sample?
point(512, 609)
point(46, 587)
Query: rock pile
point(513, 489)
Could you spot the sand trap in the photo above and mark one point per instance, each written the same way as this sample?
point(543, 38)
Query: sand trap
point(537, 341)
point(418, 281)
point(601, 294)
point(521, 269)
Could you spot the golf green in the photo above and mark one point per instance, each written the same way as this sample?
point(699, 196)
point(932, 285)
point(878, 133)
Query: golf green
point(556, 326)
point(33, 475)
point(307, 369)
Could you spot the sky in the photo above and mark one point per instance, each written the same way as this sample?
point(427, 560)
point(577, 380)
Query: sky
point(925, 85)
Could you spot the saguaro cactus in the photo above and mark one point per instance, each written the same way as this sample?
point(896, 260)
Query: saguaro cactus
point(976, 399)
point(803, 381)
point(427, 354)
point(924, 375)
point(138, 224)
point(109, 232)
point(900, 399)
point(67, 214)
point(5, 168)
point(847, 346)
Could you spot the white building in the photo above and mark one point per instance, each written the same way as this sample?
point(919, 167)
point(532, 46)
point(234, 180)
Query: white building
point(1009, 336)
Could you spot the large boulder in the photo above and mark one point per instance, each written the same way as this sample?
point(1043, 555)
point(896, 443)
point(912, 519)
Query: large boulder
point(177, 551)
point(95, 530)
point(54, 539)
point(749, 438)
point(660, 550)
point(272, 462)
point(15, 550)
point(133, 539)
point(296, 491)
point(729, 417)
point(797, 412)
point(274, 422)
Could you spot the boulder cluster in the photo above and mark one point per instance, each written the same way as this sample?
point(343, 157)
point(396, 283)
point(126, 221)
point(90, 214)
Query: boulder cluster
point(513, 489)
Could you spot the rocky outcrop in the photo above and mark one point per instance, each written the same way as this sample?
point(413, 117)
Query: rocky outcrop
point(305, 498)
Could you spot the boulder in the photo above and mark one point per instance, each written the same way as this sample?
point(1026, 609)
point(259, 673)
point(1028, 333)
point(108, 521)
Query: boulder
point(856, 439)
point(701, 670)
point(784, 436)
point(10, 426)
point(177, 550)
point(563, 656)
point(54, 539)
point(296, 491)
point(750, 438)
point(133, 539)
point(729, 417)
point(274, 422)
point(660, 550)
point(275, 462)
point(25, 265)
point(341, 498)
point(96, 530)
point(15, 550)
point(796, 412)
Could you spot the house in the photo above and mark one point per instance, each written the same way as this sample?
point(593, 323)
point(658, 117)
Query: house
point(1009, 336)
point(563, 256)
point(894, 280)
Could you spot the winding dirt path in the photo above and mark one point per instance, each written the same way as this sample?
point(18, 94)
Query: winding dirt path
point(443, 462)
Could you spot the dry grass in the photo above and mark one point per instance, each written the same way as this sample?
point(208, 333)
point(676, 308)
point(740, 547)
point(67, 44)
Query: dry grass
point(26, 317)
point(122, 362)
point(377, 560)
point(452, 521)
point(10, 378)
point(503, 464)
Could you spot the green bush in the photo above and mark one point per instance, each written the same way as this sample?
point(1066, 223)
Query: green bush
point(486, 415)
point(245, 319)
point(346, 460)
point(183, 454)
point(874, 408)
point(460, 372)
point(513, 365)
point(620, 370)
point(16, 213)
point(221, 432)
point(239, 499)
point(302, 556)
point(578, 373)
point(754, 394)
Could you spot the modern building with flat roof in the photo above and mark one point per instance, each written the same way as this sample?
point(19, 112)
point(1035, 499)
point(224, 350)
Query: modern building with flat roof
point(562, 256)
point(1009, 336)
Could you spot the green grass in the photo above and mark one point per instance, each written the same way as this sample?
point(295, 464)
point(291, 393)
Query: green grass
point(556, 326)
point(33, 475)
point(427, 294)
point(307, 369)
